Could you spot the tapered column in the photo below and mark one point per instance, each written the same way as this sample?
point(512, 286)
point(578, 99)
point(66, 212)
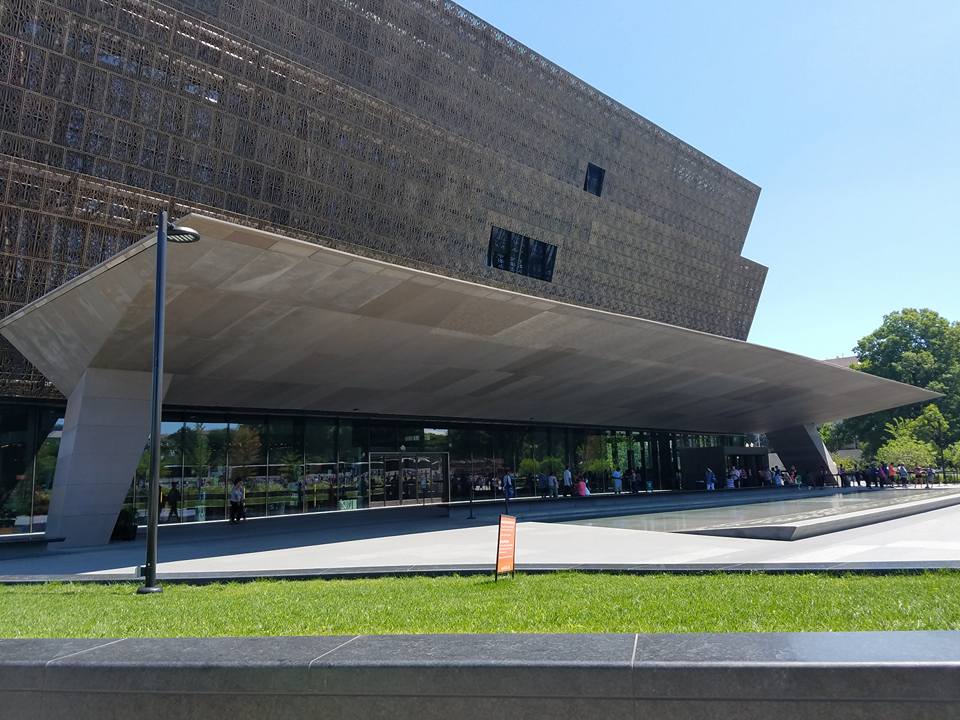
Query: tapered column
point(801, 446)
point(104, 433)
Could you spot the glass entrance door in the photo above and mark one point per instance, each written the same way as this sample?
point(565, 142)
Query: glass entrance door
point(377, 482)
point(408, 478)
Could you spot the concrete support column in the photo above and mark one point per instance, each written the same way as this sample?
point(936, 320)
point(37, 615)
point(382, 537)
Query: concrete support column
point(802, 446)
point(105, 430)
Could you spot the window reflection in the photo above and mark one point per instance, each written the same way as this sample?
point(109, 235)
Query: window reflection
point(246, 460)
point(205, 488)
point(320, 471)
point(44, 466)
point(286, 484)
point(293, 464)
point(520, 254)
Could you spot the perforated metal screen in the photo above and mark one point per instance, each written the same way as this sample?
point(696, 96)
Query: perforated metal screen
point(399, 128)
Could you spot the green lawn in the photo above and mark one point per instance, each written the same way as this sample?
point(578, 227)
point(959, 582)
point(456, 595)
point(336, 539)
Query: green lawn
point(567, 602)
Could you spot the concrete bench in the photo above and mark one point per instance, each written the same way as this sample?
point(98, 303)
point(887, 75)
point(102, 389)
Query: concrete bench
point(788, 676)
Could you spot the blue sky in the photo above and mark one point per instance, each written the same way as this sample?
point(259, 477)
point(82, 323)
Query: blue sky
point(845, 113)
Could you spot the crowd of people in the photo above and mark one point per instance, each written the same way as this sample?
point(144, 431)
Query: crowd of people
point(737, 477)
point(874, 475)
point(550, 486)
point(881, 474)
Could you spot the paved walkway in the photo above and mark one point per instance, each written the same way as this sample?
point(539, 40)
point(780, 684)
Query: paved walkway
point(931, 538)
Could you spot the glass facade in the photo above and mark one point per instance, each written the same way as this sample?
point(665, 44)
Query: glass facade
point(29, 442)
point(298, 463)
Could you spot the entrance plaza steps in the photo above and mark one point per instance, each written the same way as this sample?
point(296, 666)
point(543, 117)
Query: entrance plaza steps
point(790, 676)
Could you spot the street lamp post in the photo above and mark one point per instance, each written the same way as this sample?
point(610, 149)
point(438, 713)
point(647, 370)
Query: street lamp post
point(165, 233)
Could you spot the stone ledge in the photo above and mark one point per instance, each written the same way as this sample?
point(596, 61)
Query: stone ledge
point(790, 675)
point(25, 544)
point(882, 567)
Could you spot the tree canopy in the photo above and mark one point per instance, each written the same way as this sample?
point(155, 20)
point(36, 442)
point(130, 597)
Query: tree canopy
point(909, 440)
point(919, 347)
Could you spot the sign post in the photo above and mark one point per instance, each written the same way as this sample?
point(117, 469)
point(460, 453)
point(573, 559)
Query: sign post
point(506, 546)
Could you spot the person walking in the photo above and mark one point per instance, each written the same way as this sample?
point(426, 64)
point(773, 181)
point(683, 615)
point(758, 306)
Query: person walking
point(552, 485)
point(508, 484)
point(710, 479)
point(237, 495)
point(931, 476)
point(567, 482)
point(173, 501)
point(617, 482)
point(902, 474)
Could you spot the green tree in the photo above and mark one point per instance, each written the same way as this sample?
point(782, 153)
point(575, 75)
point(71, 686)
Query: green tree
point(292, 467)
point(915, 346)
point(528, 467)
point(837, 436)
point(551, 466)
point(197, 449)
point(907, 450)
point(952, 454)
point(842, 462)
point(599, 466)
point(904, 446)
point(932, 428)
point(245, 450)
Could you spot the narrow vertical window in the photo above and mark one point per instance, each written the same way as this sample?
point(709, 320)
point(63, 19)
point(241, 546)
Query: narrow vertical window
point(593, 182)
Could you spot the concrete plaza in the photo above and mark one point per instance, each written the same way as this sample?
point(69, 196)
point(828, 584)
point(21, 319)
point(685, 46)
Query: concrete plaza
point(278, 546)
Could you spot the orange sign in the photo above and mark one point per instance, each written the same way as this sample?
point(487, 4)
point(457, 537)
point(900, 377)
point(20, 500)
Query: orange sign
point(506, 545)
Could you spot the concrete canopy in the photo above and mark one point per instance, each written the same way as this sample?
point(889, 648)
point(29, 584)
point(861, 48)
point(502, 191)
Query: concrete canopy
point(257, 320)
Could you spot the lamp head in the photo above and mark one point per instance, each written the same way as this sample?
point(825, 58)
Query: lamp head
point(181, 234)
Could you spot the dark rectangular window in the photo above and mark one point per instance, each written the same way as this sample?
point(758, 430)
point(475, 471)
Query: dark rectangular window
point(522, 255)
point(593, 183)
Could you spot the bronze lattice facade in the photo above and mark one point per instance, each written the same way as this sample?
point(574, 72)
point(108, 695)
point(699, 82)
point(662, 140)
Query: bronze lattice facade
point(403, 129)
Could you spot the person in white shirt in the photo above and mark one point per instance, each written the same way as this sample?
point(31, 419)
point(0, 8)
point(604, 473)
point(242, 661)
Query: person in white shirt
point(237, 495)
point(567, 482)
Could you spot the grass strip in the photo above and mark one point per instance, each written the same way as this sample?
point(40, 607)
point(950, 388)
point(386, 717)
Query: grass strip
point(558, 603)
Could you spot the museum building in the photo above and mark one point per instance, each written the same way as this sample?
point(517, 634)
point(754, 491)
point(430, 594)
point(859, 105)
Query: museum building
point(427, 254)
